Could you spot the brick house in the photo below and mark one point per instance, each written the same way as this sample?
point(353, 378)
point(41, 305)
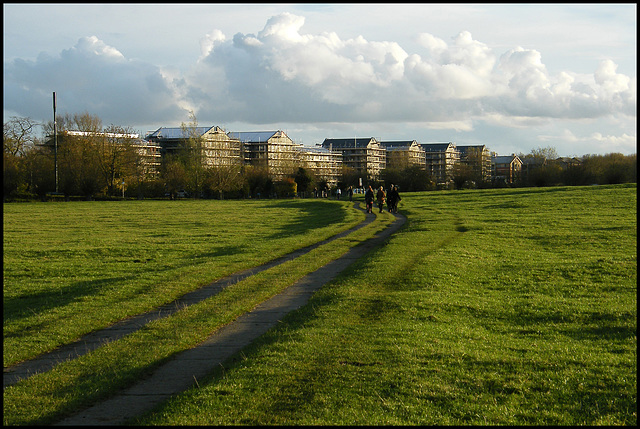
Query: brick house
point(506, 168)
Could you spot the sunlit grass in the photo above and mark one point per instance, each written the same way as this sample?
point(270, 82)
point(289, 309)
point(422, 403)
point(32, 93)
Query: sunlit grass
point(506, 307)
point(499, 307)
point(43, 398)
point(72, 268)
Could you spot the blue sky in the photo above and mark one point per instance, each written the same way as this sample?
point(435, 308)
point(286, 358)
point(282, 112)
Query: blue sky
point(515, 77)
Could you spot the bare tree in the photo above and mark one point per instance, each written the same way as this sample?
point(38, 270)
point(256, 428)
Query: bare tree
point(18, 135)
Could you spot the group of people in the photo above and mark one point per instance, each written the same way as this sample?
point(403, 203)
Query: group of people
point(392, 199)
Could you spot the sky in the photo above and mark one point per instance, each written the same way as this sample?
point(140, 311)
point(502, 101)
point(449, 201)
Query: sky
point(513, 77)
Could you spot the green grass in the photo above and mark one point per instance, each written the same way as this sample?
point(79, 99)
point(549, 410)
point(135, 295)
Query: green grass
point(73, 268)
point(47, 397)
point(505, 307)
point(489, 307)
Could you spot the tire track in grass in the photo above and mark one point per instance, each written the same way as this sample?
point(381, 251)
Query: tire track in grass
point(91, 341)
point(183, 370)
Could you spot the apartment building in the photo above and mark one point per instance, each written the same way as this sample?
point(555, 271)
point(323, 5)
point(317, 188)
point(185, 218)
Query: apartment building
point(218, 149)
point(403, 154)
point(478, 157)
point(149, 151)
point(440, 159)
point(365, 155)
point(150, 156)
point(322, 163)
point(273, 150)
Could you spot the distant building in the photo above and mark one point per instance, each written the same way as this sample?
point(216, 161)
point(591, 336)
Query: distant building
point(323, 163)
point(365, 155)
point(150, 156)
point(273, 150)
point(478, 157)
point(567, 162)
point(440, 159)
point(217, 148)
point(403, 154)
point(506, 168)
point(149, 152)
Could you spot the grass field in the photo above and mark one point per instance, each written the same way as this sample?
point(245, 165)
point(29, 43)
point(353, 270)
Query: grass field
point(72, 268)
point(489, 307)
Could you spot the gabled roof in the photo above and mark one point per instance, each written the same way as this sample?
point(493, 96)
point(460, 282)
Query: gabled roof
point(252, 136)
point(505, 159)
point(348, 142)
point(435, 147)
point(177, 132)
point(398, 145)
point(463, 149)
point(569, 160)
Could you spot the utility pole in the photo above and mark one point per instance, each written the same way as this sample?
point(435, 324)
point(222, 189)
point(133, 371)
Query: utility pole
point(55, 139)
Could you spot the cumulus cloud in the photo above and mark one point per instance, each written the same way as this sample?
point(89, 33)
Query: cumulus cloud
point(280, 74)
point(363, 80)
point(93, 77)
point(209, 41)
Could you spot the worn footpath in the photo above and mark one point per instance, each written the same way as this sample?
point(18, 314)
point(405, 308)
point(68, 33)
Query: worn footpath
point(185, 368)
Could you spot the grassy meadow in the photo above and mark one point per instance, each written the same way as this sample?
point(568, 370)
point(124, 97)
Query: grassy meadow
point(506, 307)
point(70, 268)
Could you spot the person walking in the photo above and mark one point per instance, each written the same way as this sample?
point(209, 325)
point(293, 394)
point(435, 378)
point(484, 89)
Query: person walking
point(350, 192)
point(398, 199)
point(381, 198)
point(339, 192)
point(391, 199)
point(394, 199)
point(368, 199)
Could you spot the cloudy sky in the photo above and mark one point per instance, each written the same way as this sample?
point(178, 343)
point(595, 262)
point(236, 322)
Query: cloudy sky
point(513, 77)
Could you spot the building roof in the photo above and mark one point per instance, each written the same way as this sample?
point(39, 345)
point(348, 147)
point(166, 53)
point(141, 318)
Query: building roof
point(398, 145)
point(505, 159)
point(436, 147)
point(465, 148)
point(177, 132)
point(100, 133)
point(348, 142)
point(316, 149)
point(253, 136)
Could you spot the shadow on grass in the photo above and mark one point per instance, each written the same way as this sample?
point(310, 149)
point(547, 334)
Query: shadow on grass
point(26, 305)
point(315, 214)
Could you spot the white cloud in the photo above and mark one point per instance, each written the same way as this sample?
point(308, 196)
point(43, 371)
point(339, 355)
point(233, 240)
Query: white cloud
point(449, 83)
point(208, 42)
point(282, 74)
point(96, 46)
point(595, 141)
point(93, 77)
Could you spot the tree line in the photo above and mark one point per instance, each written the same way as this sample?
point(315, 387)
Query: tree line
point(104, 163)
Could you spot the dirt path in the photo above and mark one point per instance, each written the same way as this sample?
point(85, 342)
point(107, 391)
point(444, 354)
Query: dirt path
point(187, 367)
